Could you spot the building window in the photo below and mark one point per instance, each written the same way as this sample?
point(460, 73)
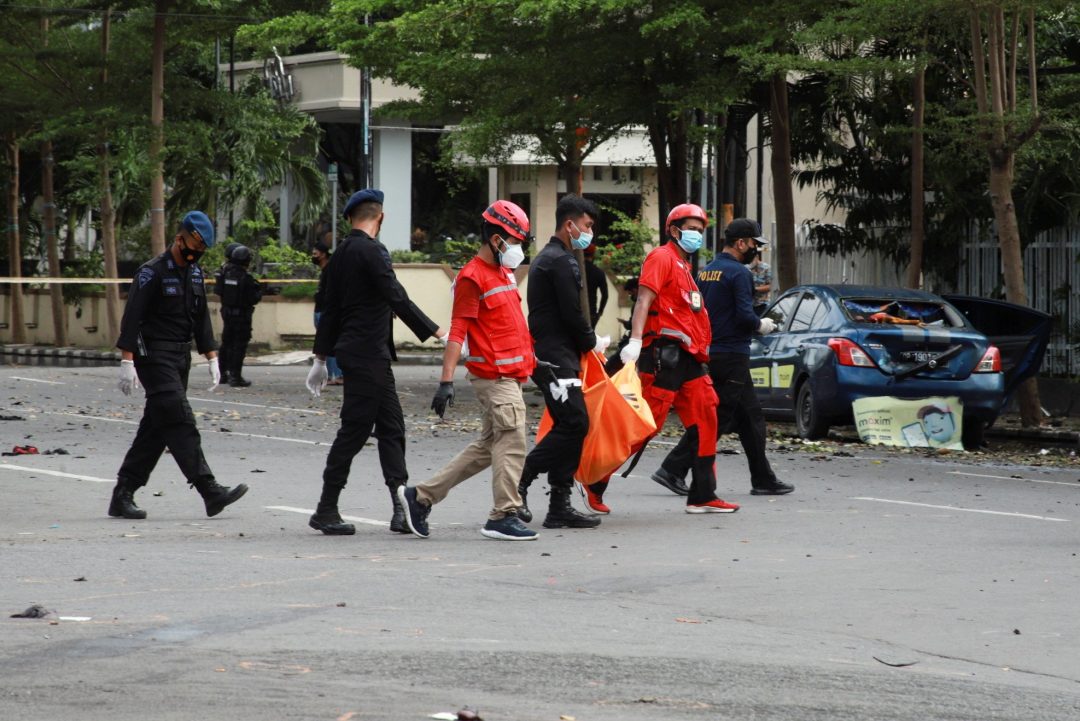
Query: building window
point(635, 173)
point(598, 173)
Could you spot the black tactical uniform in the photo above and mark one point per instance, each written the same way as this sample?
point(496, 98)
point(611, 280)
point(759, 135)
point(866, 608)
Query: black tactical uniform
point(561, 333)
point(239, 293)
point(166, 308)
point(362, 297)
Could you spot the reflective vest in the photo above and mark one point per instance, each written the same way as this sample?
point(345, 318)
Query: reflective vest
point(499, 342)
point(673, 315)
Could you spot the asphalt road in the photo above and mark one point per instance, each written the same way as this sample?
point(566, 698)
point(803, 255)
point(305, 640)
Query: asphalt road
point(888, 586)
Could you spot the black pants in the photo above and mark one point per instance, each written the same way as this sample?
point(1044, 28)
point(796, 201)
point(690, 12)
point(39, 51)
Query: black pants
point(737, 410)
point(235, 336)
point(167, 422)
point(559, 453)
point(371, 403)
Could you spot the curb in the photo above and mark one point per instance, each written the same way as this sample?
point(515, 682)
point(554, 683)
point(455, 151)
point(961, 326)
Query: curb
point(32, 351)
point(1048, 435)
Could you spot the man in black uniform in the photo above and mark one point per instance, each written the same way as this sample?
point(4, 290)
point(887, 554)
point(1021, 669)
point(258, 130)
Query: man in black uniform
point(239, 292)
point(320, 256)
point(728, 289)
point(166, 306)
point(362, 297)
point(596, 284)
point(562, 333)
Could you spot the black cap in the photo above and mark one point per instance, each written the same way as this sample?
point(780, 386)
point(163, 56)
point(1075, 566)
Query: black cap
point(744, 228)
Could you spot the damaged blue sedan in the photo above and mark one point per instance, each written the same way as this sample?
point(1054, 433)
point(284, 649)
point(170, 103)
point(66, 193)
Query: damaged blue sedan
point(837, 343)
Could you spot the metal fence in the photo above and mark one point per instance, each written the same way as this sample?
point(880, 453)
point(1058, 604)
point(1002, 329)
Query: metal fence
point(1051, 271)
point(1052, 276)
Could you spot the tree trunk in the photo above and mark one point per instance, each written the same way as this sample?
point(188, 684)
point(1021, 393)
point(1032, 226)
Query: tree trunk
point(157, 131)
point(783, 199)
point(1012, 263)
point(918, 200)
point(48, 221)
point(108, 213)
point(18, 326)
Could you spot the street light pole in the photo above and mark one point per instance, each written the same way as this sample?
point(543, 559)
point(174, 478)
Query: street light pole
point(331, 173)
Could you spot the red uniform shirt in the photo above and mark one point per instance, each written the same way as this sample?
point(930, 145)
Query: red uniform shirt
point(678, 312)
point(487, 316)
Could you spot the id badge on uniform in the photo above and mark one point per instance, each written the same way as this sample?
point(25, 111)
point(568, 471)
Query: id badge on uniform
point(695, 301)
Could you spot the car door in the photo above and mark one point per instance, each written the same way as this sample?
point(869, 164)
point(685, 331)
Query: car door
point(1020, 333)
point(763, 348)
point(790, 349)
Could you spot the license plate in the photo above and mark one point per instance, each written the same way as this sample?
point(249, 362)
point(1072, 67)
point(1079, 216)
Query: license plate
point(920, 356)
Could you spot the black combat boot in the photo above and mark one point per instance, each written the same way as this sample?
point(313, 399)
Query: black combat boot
point(527, 477)
point(238, 381)
point(397, 522)
point(562, 515)
point(217, 497)
point(326, 517)
point(123, 502)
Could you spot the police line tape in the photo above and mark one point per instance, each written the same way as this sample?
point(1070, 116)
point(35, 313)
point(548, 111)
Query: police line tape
point(117, 281)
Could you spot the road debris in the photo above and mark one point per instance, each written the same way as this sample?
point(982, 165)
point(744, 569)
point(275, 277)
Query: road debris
point(35, 611)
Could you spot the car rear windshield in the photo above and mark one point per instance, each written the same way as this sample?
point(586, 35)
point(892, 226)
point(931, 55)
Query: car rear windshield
point(901, 312)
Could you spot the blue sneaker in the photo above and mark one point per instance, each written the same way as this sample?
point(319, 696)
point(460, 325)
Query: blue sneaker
point(509, 528)
point(416, 513)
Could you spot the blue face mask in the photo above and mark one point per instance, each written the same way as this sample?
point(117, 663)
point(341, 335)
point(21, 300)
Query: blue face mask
point(690, 240)
point(583, 241)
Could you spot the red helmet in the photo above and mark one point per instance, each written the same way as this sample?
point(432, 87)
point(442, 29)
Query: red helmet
point(684, 211)
point(509, 217)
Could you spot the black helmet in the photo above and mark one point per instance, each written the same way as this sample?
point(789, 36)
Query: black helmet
point(241, 255)
point(230, 248)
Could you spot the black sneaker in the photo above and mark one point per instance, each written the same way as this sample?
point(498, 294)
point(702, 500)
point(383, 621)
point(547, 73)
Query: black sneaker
point(776, 488)
point(239, 382)
point(416, 513)
point(509, 528)
point(671, 482)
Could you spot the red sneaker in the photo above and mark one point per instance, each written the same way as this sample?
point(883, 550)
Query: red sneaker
point(595, 501)
point(714, 506)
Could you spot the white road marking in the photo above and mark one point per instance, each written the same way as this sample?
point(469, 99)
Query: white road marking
point(59, 474)
point(957, 508)
point(1010, 478)
point(257, 405)
point(135, 423)
point(36, 380)
point(309, 511)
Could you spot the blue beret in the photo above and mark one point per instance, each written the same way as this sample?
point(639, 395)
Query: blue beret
point(198, 224)
point(367, 195)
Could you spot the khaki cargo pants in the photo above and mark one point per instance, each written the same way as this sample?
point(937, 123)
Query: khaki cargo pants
point(501, 446)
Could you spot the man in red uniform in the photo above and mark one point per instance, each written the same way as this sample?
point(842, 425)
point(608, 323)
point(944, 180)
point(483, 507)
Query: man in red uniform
point(487, 316)
point(669, 340)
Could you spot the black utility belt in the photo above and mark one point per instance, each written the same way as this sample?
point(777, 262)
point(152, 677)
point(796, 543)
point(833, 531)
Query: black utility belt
point(169, 345)
point(671, 364)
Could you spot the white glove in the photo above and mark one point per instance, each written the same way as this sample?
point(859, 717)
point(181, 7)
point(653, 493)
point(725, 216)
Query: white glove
point(215, 373)
point(129, 379)
point(602, 342)
point(766, 326)
point(630, 352)
point(444, 339)
point(316, 377)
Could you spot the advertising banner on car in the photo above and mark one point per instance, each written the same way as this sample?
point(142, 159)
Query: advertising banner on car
point(921, 423)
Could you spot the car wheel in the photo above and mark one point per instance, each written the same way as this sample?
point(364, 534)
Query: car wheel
point(808, 420)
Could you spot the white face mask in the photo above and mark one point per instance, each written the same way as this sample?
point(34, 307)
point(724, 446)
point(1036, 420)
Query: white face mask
point(512, 256)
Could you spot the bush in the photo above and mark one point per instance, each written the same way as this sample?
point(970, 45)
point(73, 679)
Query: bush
point(299, 290)
point(286, 261)
point(625, 258)
point(409, 256)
